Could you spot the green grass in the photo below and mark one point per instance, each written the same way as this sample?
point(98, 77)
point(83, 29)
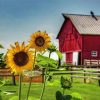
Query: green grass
point(87, 91)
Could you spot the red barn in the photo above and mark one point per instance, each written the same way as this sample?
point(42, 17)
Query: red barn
point(79, 38)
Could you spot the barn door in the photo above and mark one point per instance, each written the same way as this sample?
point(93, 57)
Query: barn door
point(69, 57)
point(79, 58)
point(76, 58)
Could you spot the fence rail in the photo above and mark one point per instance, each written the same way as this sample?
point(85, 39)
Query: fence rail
point(91, 62)
point(6, 72)
point(83, 72)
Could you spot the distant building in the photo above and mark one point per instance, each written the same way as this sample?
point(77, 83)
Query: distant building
point(79, 38)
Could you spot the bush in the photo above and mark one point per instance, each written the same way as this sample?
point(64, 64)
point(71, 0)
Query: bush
point(2, 61)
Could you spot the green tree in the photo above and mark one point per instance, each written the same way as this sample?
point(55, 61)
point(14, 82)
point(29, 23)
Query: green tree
point(2, 61)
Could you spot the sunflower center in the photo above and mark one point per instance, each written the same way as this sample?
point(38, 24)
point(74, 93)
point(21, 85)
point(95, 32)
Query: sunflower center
point(39, 41)
point(21, 58)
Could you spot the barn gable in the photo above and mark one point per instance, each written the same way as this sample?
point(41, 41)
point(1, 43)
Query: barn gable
point(69, 38)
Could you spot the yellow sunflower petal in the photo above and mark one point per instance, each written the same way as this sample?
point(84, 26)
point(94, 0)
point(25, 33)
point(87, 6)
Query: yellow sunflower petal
point(17, 46)
point(27, 48)
point(39, 41)
point(23, 46)
point(19, 58)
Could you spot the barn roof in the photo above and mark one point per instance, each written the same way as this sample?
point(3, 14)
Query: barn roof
point(85, 24)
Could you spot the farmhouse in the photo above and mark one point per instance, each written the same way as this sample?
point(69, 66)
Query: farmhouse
point(79, 38)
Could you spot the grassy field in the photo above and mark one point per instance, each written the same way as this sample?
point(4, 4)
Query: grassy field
point(89, 91)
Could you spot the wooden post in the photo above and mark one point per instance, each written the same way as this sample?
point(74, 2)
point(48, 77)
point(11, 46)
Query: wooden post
point(43, 72)
point(99, 79)
point(59, 62)
point(71, 74)
point(84, 76)
point(98, 64)
point(13, 79)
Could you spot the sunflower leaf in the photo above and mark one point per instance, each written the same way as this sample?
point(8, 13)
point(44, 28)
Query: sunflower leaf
point(59, 54)
point(1, 55)
point(46, 62)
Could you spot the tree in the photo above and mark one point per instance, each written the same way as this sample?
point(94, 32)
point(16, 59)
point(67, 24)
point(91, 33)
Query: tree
point(2, 61)
point(3, 64)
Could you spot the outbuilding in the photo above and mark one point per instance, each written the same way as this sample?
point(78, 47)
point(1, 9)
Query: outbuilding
point(79, 38)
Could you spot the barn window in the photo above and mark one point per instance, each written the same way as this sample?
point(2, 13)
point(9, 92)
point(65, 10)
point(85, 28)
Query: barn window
point(94, 53)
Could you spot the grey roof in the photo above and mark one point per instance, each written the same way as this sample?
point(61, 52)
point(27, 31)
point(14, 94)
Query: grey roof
point(85, 24)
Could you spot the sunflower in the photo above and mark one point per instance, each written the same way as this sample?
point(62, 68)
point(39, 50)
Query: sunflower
point(39, 41)
point(19, 58)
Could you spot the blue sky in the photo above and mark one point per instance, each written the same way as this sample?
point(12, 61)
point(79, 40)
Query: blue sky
point(20, 18)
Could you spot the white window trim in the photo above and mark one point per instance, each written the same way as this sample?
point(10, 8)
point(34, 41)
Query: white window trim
point(94, 53)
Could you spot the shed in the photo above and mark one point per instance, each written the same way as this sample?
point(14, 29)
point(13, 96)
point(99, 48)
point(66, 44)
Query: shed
point(79, 38)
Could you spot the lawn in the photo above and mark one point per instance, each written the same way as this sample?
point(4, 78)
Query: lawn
point(89, 91)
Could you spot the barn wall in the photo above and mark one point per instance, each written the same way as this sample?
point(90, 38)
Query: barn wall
point(69, 38)
point(66, 28)
point(90, 43)
point(69, 57)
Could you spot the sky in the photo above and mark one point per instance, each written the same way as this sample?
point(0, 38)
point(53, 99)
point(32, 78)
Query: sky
point(20, 18)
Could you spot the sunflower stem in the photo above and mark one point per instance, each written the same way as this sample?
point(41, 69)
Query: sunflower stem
point(31, 77)
point(29, 88)
point(19, 90)
point(45, 77)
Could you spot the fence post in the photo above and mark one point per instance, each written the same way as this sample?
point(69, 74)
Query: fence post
point(84, 75)
point(99, 79)
point(43, 73)
point(13, 79)
point(71, 74)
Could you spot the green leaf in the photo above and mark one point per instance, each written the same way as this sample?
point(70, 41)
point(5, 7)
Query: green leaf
point(1, 55)
point(46, 62)
point(59, 54)
point(1, 46)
